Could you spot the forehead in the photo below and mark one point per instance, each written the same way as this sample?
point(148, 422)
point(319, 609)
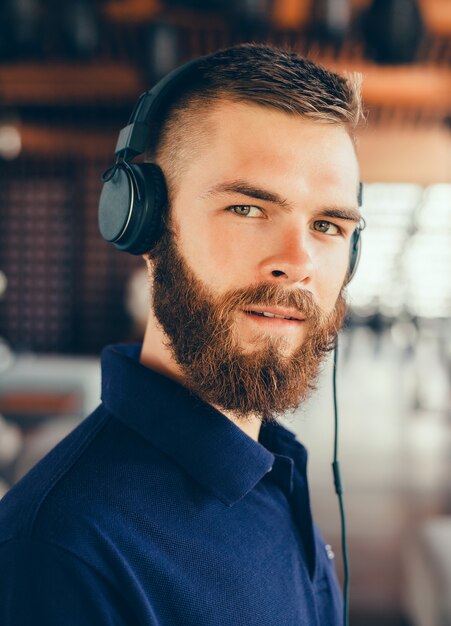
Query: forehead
point(264, 145)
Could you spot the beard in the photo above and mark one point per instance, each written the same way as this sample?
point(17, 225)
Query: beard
point(201, 330)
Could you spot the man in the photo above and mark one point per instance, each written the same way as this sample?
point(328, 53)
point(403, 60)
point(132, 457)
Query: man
point(181, 501)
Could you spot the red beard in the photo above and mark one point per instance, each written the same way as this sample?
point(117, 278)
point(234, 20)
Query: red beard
point(201, 330)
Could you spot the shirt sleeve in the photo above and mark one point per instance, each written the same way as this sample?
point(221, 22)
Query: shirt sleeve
point(43, 584)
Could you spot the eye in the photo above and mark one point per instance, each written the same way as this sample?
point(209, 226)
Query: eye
point(322, 226)
point(245, 210)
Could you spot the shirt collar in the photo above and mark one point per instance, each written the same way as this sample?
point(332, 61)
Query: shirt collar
point(209, 446)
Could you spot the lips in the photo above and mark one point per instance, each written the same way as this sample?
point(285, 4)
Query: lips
point(275, 312)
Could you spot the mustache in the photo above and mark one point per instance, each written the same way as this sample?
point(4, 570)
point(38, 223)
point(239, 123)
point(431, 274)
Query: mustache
point(273, 295)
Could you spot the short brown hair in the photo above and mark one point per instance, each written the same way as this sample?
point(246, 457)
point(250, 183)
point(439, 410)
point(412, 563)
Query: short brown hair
point(258, 74)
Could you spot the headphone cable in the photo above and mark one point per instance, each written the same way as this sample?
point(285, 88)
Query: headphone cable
point(339, 492)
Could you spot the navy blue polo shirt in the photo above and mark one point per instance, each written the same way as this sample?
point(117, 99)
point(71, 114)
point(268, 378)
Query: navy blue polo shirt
point(159, 511)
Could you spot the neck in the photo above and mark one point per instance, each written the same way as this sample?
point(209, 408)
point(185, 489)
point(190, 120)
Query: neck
point(157, 356)
point(250, 425)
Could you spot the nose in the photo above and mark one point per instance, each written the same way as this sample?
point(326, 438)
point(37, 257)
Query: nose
point(291, 261)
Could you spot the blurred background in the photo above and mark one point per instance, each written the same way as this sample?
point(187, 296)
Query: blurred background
point(70, 73)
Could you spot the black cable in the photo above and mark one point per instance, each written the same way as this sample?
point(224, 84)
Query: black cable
point(339, 492)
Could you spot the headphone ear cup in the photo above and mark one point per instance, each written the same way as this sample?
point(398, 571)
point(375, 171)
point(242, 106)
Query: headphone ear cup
point(131, 207)
point(354, 253)
point(153, 198)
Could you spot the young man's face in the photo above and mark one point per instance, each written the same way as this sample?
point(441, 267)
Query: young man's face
point(309, 166)
point(269, 203)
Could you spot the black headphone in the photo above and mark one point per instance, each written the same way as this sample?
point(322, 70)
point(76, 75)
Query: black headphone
point(134, 195)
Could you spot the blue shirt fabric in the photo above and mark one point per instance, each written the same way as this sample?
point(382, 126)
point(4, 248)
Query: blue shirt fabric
point(159, 511)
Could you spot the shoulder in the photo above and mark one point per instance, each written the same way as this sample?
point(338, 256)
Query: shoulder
point(27, 501)
point(101, 481)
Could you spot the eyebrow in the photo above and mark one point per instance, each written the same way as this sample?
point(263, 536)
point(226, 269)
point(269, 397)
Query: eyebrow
point(339, 213)
point(246, 189)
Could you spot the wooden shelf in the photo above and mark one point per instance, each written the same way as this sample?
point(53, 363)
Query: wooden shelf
point(413, 86)
point(409, 86)
point(388, 153)
point(39, 403)
point(132, 11)
point(50, 142)
point(67, 83)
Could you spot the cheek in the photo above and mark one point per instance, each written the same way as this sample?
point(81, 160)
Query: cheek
point(220, 256)
point(330, 280)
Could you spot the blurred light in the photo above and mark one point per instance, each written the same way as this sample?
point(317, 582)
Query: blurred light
point(332, 18)
point(10, 143)
point(6, 356)
point(163, 50)
point(3, 283)
point(406, 252)
point(404, 333)
point(10, 442)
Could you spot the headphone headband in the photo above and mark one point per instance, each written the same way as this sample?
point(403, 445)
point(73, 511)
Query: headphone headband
point(133, 137)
